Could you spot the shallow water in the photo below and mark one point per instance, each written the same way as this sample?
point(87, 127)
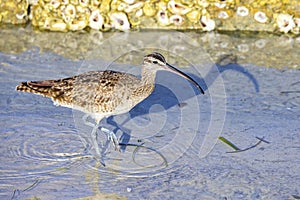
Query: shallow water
point(46, 151)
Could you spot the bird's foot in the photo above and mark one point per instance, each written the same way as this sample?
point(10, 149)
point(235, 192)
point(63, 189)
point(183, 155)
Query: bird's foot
point(111, 136)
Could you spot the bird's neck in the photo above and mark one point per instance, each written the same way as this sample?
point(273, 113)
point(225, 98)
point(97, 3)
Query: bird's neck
point(147, 84)
point(148, 76)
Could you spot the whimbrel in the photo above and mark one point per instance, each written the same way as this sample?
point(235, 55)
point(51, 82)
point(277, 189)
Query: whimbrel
point(101, 94)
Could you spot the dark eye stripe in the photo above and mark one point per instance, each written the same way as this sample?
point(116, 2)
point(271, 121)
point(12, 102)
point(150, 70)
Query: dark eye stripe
point(157, 56)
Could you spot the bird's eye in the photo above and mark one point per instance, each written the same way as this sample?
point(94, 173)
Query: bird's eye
point(154, 62)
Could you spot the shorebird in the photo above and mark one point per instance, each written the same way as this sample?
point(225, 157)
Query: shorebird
point(101, 94)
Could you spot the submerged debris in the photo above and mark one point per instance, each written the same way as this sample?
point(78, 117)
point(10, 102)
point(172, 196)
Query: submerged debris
point(236, 149)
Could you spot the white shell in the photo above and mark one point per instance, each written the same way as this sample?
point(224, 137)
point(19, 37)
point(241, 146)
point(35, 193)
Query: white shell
point(33, 2)
point(261, 43)
point(119, 21)
point(69, 13)
point(178, 8)
point(296, 29)
point(242, 11)
point(96, 20)
point(139, 13)
point(59, 26)
point(297, 22)
point(223, 15)
point(84, 3)
point(176, 20)
point(260, 17)
point(285, 22)
point(133, 7)
point(121, 6)
point(129, 1)
point(21, 16)
point(220, 5)
point(77, 25)
point(55, 3)
point(163, 17)
point(207, 23)
point(65, 2)
point(203, 3)
point(243, 48)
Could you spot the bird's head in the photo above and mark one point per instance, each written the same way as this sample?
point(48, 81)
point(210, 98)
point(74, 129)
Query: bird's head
point(155, 62)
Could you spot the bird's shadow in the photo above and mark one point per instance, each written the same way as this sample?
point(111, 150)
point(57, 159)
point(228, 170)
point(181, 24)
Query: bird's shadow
point(165, 97)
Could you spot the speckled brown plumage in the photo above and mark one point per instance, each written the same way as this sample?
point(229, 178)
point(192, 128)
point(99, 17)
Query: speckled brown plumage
point(103, 92)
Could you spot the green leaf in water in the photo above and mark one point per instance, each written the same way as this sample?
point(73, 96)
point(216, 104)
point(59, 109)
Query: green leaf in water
point(229, 143)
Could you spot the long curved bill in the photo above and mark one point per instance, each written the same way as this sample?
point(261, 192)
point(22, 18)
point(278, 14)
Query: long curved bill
point(170, 68)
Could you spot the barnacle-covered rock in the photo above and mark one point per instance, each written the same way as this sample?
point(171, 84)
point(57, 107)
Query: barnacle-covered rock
point(205, 15)
point(13, 11)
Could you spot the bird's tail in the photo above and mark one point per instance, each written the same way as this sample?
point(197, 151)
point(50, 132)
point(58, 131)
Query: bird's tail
point(36, 87)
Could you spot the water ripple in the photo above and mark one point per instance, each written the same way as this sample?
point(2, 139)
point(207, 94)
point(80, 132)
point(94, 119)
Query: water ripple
point(37, 154)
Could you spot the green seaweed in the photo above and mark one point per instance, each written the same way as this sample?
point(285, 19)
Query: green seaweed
point(229, 143)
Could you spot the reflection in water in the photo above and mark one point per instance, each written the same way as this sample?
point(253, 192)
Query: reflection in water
point(151, 163)
point(259, 49)
point(93, 178)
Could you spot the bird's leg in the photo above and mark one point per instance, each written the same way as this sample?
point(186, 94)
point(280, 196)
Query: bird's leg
point(111, 136)
point(94, 136)
point(86, 144)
